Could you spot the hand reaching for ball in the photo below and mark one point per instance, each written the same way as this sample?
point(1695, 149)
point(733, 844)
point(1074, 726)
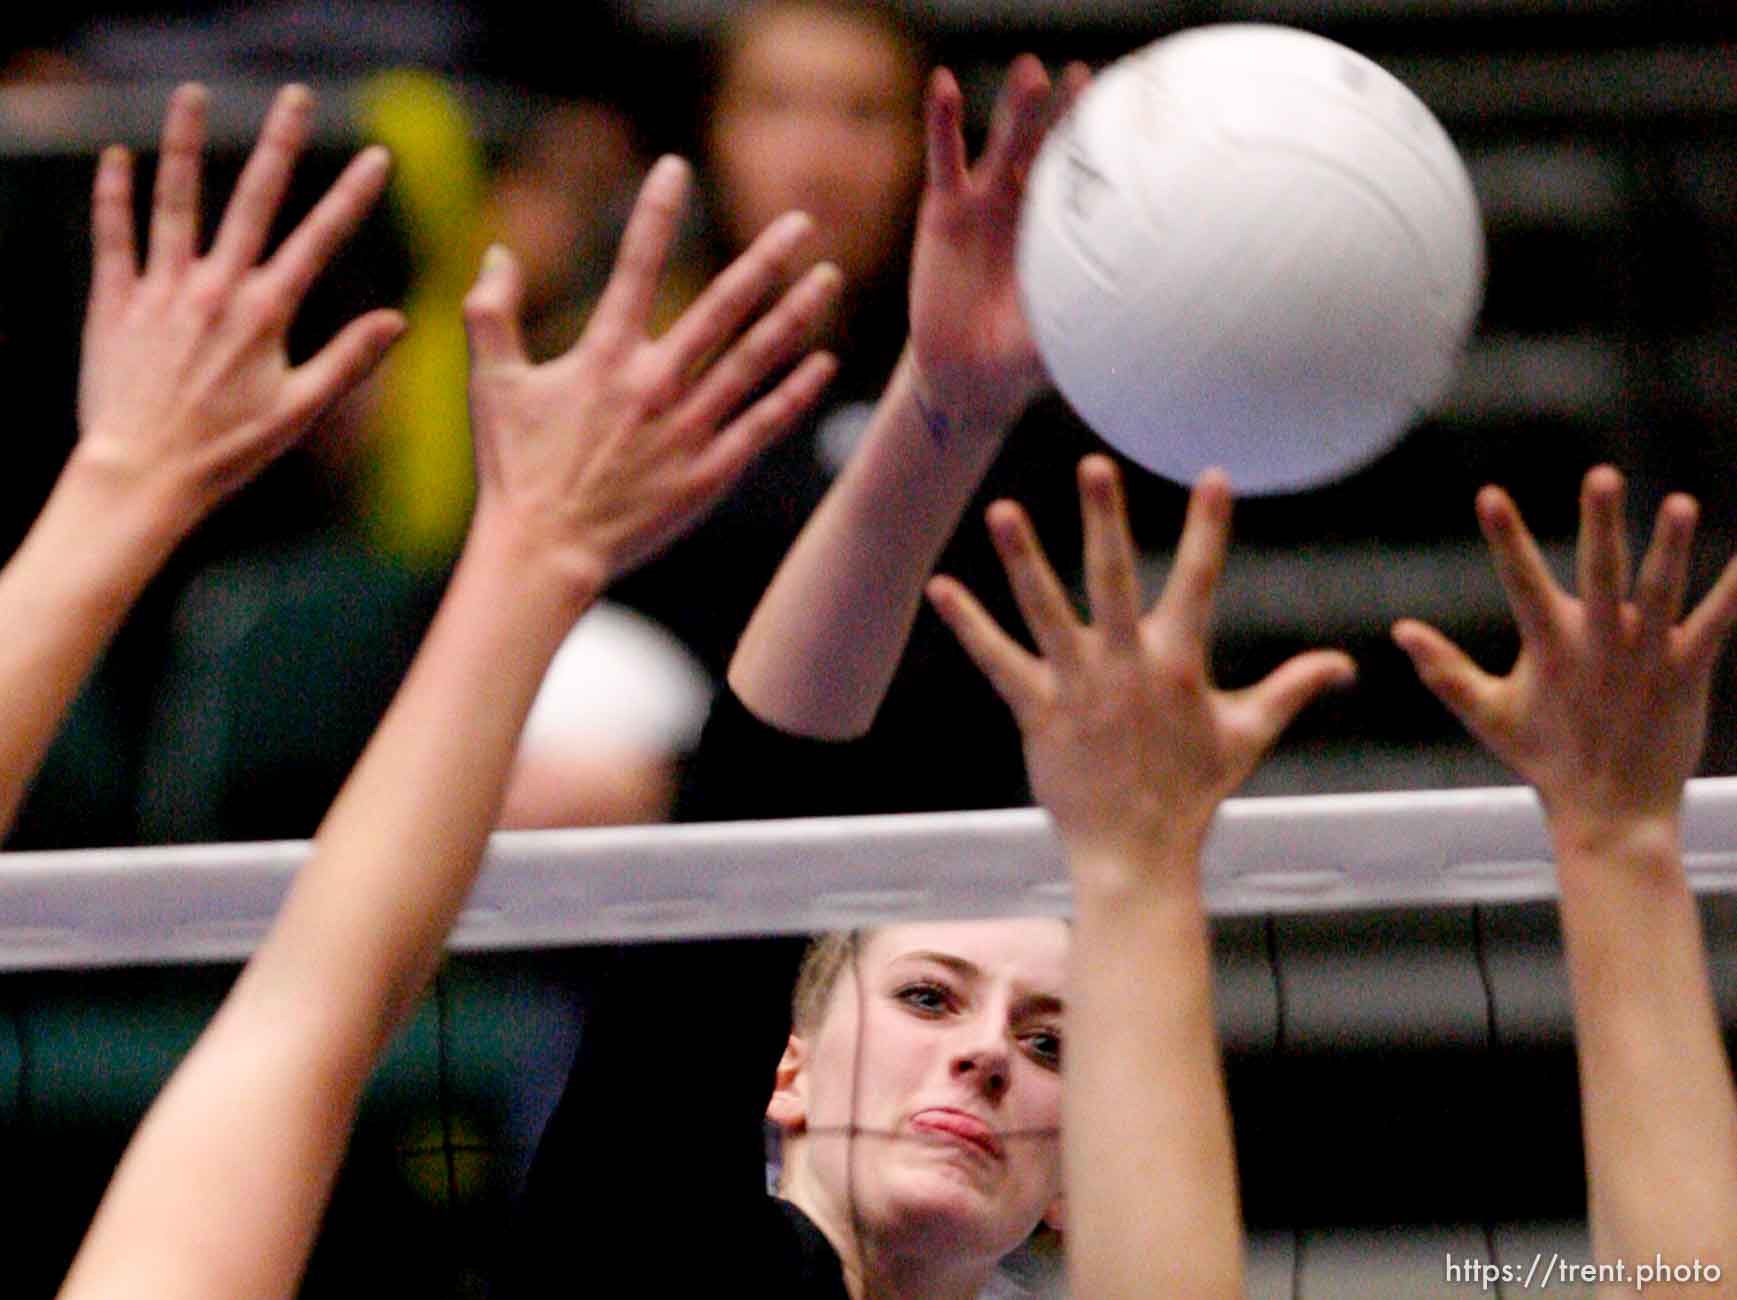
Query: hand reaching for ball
point(969, 337)
point(1128, 742)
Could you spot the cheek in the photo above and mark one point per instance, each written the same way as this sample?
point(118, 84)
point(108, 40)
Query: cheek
point(1040, 1115)
point(895, 1056)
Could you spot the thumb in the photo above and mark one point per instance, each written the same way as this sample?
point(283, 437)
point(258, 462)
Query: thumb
point(1445, 670)
point(344, 362)
point(1273, 703)
point(491, 310)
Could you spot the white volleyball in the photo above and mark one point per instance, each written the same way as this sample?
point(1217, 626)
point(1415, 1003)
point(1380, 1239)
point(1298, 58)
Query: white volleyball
point(1249, 246)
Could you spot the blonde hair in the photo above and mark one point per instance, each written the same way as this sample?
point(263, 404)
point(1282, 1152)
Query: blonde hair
point(822, 965)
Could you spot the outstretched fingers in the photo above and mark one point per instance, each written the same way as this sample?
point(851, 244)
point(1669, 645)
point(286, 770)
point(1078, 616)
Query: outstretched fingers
point(1601, 554)
point(1664, 571)
point(1448, 673)
point(175, 200)
point(1074, 80)
point(762, 424)
point(312, 244)
point(264, 180)
point(774, 339)
point(943, 119)
point(342, 364)
point(1273, 703)
point(492, 309)
point(1010, 669)
point(1042, 601)
point(731, 298)
point(114, 259)
point(1016, 128)
point(1188, 595)
point(1112, 580)
point(1706, 630)
point(627, 299)
point(1532, 593)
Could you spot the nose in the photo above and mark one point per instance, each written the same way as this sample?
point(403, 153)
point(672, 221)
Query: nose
point(983, 1068)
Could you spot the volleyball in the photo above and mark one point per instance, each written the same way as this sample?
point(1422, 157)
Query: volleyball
point(1251, 247)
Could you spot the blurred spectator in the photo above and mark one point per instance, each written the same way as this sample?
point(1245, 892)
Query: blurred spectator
point(557, 199)
point(819, 105)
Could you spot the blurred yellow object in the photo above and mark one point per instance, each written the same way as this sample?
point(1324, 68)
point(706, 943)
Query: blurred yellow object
point(417, 486)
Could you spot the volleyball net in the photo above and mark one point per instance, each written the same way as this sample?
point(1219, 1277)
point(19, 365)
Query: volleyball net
point(542, 889)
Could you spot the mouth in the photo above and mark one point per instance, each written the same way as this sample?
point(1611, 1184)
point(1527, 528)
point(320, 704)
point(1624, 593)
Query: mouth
point(958, 1127)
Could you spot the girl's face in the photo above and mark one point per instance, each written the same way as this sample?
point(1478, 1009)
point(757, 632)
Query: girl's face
point(822, 112)
point(924, 1110)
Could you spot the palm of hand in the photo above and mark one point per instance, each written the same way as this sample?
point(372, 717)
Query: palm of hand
point(1604, 711)
point(969, 335)
point(966, 317)
point(1609, 726)
point(1127, 742)
point(185, 372)
point(1163, 747)
point(602, 455)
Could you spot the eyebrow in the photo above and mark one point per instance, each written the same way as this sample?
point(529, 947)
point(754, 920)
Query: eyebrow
point(1042, 1004)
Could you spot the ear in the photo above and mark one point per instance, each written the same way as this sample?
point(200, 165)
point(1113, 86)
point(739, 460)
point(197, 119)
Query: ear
point(788, 1108)
point(1055, 1218)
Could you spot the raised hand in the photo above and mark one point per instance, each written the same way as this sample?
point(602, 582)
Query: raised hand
point(186, 380)
point(185, 392)
point(1127, 741)
point(1605, 710)
point(969, 337)
point(819, 654)
point(611, 450)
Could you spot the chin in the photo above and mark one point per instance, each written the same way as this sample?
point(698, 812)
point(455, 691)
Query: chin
point(948, 1207)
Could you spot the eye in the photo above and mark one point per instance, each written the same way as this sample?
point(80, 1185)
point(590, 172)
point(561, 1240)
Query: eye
point(1044, 1046)
point(926, 997)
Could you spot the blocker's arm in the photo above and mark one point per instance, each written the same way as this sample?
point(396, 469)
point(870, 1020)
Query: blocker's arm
point(585, 466)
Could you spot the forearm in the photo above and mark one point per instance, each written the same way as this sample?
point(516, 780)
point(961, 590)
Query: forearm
point(66, 591)
point(1658, 1110)
point(257, 1115)
point(1148, 1158)
point(824, 641)
point(396, 855)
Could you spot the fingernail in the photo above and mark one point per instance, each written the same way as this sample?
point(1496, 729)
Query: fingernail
point(793, 224)
point(665, 168)
point(496, 259)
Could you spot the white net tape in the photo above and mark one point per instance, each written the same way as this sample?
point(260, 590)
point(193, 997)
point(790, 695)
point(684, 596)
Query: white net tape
point(550, 888)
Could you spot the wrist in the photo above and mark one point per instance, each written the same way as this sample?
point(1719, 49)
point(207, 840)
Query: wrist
point(1582, 832)
point(1609, 856)
point(1115, 873)
point(142, 515)
point(563, 577)
point(964, 405)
